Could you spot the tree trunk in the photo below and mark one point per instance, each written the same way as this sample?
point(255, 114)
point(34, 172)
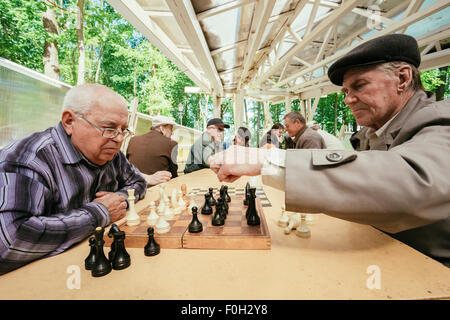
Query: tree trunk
point(440, 91)
point(80, 39)
point(246, 114)
point(258, 123)
point(99, 63)
point(50, 56)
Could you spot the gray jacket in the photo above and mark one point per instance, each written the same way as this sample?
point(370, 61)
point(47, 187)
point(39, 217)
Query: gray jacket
point(201, 150)
point(401, 186)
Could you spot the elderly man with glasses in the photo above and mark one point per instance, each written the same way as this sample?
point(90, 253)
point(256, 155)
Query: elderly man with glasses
point(58, 185)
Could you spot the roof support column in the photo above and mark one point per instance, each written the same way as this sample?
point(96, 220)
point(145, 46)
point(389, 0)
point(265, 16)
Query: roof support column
point(216, 106)
point(238, 109)
point(288, 103)
point(268, 121)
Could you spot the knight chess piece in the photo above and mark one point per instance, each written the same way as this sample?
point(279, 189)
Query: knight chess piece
point(90, 260)
point(102, 266)
point(223, 196)
point(294, 222)
point(252, 214)
point(152, 248)
point(121, 259)
point(247, 187)
point(212, 201)
point(195, 226)
point(220, 207)
point(207, 209)
point(112, 231)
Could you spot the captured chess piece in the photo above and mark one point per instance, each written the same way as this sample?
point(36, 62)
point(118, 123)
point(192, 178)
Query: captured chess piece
point(90, 260)
point(247, 187)
point(294, 222)
point(207, 209)
point(132, 217)
point(212, 201)
point(251, 214)
point(195, 226)
point(152, 248)
point(112, 231)
point(102, 266)
point(284, 218)
point(302, 230)
point(120, 259)
point(227, 196)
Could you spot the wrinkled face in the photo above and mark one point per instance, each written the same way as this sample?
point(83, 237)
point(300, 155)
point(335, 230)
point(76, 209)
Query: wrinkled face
point(107, 112)
point(372, 95)
point(292, 128)
point(216, 132)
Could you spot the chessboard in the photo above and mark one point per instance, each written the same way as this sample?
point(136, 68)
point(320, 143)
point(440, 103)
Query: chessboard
point(234, 234)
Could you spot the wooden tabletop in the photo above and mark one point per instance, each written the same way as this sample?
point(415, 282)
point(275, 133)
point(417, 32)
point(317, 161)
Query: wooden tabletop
point(341, 260)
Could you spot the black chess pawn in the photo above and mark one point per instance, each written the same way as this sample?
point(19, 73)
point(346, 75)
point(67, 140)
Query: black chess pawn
point(227, 196)
point(247, 187)
point(90, 260)
point(195, 226)
point(217, 219)
point(207, 209)
point(251, 214)
point(121, 259)
point(102, 266)
point(114, 229)
point(212, 201)
point(152, 248)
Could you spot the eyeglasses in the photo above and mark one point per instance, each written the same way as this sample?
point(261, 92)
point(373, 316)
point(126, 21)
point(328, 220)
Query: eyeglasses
point(110, 133)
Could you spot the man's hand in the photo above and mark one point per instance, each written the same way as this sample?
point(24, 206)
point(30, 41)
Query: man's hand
point(158, 177)
point(115, 203)
point(237, 161)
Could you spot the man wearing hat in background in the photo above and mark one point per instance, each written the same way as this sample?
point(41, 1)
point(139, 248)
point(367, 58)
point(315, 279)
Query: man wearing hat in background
point(207, 145)
point(154, 153)
point(400, 184)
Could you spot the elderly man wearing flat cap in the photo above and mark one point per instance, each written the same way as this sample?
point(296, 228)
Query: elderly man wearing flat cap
point(398, 180)
point(155, 153)
point(207, 145)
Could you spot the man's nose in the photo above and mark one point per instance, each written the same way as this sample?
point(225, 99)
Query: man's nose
point(349, 99)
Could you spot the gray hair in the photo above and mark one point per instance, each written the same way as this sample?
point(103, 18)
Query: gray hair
point(416, 82)
point(80, 99)
point(295, 115)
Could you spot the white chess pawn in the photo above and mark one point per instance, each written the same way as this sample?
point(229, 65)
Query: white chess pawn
point(175, 208)
point(161, 192)
point(181, 202)
point(152, 217)
point(284, 218)
point(168, 213)
point(161, 206)
point(302, 230)
point(294, 222)
point(162, 226)
point(309, 219)
point(132, 217)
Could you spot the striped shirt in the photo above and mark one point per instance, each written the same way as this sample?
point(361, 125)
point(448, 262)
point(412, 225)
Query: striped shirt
point(47, 188)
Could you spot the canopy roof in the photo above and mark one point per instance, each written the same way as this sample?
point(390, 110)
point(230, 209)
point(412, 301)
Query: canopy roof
point(276, 48)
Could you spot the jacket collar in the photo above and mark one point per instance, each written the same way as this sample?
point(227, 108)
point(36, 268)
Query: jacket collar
point(69, 154)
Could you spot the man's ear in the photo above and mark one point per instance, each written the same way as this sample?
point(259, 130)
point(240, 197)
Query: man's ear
point(68, 120)
point(405, 78)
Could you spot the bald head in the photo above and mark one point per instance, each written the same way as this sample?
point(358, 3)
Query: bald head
point(80, 99)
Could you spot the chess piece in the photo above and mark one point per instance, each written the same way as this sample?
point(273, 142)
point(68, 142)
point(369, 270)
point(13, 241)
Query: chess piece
point(153, 216)
point(181, 202)
point(90, 260)
point(162, 226)
point(294, 222)
point(152, 248)
point(112, 231)
point(247, 187)
point(302, 230)
point(168, 213)
point(217, 219)
point(132, 217)
point(251, 214)
point(173, 199)
point(102, 266)
point(161, 207)
point(221, 208)
point(184, 194)
point(223, 196)
point(121, 259)
point(309, 219)
point(207, 209)
point(195, 226)
point(212, 201)
point(227, 196)
point(284, 218)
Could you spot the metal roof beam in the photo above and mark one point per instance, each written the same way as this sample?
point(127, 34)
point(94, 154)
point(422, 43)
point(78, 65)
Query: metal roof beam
point(186, 18)
point(223, 8)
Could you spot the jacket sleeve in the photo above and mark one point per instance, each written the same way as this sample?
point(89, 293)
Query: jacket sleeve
point(400, 189)
point(173, 166)
point(130, 178)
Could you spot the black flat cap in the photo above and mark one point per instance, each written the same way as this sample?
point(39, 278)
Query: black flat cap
point(218, 122)
point(392, 47)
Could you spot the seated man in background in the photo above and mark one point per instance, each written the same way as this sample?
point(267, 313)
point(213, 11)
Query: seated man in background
point(60, 184)
point(331, 141)
point(154, 153)
point(207, 145)
point(273, 137)
point(400, 183)
point(300, 135)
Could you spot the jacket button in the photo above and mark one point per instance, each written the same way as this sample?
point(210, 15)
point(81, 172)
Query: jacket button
point(334, 157)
